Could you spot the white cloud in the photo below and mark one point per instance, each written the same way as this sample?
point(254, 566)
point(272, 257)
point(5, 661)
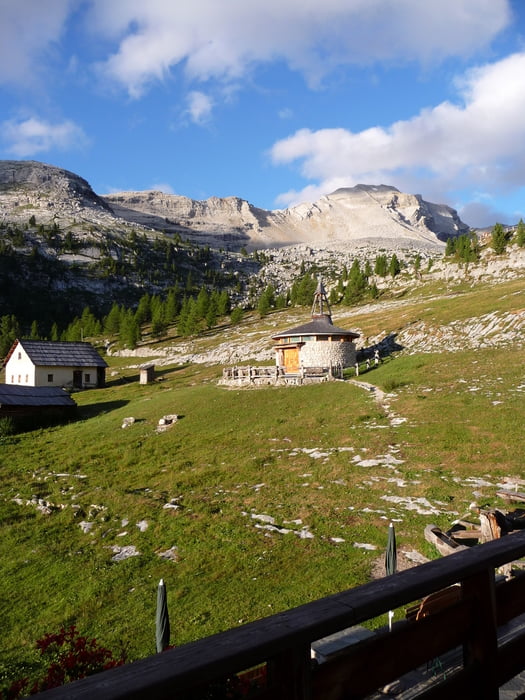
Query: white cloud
point(32, 136)
point(199, 107)
point(478, 142)
point(28, 30)
point(162, 187)
point(224, 40)
point(285, 113)
point(481, 215)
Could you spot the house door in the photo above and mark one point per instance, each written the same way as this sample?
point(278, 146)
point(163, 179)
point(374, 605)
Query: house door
point(291, 360)
point(101, 377)
point(77, 378)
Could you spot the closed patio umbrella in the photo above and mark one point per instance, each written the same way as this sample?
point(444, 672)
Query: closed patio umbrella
point(391, 562)
point(162, 621)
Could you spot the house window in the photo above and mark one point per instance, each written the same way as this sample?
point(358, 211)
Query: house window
point(87, 378)
point(27, 378)
point(19, 379)
point(19, 355)
point(12, 379)
point(49, 377)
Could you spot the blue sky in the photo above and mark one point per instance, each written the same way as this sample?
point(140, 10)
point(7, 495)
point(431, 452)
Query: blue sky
point(273, 101)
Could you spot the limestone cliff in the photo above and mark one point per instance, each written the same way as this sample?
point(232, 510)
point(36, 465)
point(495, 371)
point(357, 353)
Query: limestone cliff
point(363, 214)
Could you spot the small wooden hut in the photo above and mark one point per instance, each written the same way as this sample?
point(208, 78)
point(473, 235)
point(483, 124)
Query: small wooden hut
point(317, 345)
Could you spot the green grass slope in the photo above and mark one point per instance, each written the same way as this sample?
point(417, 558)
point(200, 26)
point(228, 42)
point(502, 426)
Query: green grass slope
point(266, 498)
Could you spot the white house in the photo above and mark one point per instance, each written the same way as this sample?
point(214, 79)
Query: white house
point(49, 363)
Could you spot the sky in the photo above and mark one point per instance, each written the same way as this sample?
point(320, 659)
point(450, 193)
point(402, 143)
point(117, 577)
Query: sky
point(274, 101)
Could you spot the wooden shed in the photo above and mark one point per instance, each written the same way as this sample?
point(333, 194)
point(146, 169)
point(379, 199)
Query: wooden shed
point(147, 374)
point(30, 401)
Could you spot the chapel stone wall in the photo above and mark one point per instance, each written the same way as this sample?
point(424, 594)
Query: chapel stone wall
point(325, 353)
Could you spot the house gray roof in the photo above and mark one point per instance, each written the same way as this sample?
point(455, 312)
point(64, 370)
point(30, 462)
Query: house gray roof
point(319, 325)
point(46, 353)
point(16, 395)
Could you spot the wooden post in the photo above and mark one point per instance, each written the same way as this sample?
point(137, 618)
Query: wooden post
point(491, 530)
point(289, 674)
point(480, 649)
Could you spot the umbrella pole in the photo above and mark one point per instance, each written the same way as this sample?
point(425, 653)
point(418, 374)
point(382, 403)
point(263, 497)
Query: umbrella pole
point(162, 620)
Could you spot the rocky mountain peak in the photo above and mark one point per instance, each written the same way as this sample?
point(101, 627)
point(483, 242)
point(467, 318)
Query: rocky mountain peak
point(35, 180)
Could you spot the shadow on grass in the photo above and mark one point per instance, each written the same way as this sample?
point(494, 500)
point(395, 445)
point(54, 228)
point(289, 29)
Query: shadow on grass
point(160, 376)
point(385, 347)
point(96, 409)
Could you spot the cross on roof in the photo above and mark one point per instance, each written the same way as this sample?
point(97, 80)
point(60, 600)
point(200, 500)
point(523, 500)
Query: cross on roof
point(321, 302)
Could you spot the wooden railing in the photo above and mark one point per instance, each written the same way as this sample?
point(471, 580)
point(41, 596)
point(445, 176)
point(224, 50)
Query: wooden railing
point(475, 623)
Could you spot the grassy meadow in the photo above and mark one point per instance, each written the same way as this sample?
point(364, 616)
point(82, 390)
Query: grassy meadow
point(267, 498)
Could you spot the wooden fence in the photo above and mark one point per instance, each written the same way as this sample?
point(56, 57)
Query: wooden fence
point(476, 622)
point(277, 375)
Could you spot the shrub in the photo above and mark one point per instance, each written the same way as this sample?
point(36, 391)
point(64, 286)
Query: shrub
point(69, 657)
point(7, 427)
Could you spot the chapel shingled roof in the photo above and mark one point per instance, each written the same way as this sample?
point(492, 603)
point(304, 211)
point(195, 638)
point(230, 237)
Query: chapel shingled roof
point(48, 353)
point(321, 325)
point(16, 395)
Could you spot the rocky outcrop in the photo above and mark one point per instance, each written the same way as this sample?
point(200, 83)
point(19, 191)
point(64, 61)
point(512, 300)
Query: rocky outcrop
point(30, 185)
point(228, 222)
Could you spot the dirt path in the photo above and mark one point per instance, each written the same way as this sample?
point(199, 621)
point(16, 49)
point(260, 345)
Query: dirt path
point(382, 400)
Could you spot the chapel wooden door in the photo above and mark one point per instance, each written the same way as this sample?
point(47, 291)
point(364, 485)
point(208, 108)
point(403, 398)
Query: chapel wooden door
point(291, 360)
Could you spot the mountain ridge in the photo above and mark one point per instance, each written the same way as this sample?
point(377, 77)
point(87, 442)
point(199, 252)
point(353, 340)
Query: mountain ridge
point(379, 215)
point(364, 213)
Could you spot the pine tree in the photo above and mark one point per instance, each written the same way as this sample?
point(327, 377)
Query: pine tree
point(381, 265)
point(498, 239)
point(129, 330)
point(223, 304)
point(159, 323)
point(143, 312)
point(183, 316)
point(34, 334)
point(112, 320)
point(192, 320)
point(450, 247)
point(236, 315)
point(171, 306)
point(211, 313)
point(467, 248)
point(203, 302)
point(356, 284)
point(73, 332)
point(520, 234)
point(266, 301)
point(395, 266)
point(9, 332)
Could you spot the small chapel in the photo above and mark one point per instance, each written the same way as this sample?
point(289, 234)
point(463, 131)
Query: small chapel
point(316, 345)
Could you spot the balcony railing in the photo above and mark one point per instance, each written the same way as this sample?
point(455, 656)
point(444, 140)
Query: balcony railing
point(474, 623)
